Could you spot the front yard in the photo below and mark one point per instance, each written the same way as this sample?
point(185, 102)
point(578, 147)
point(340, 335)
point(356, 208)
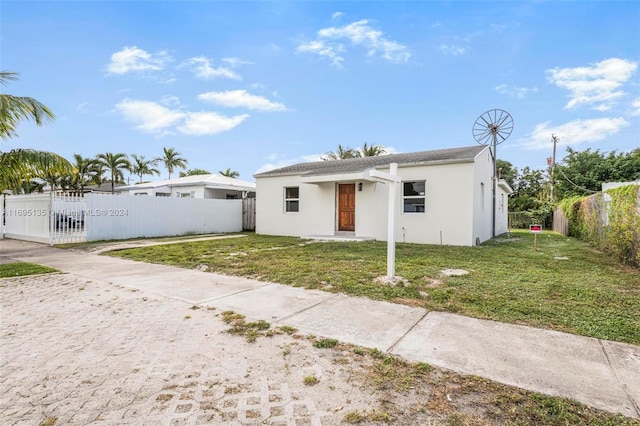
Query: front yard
point(566, 285)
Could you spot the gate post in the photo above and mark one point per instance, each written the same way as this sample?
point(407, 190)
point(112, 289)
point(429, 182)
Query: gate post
point(52, 220)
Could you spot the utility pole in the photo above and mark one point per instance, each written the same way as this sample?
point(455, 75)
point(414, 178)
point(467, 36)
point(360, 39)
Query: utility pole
point(554, 139)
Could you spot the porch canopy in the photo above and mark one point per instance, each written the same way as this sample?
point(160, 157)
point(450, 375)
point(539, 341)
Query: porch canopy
point(371, 175)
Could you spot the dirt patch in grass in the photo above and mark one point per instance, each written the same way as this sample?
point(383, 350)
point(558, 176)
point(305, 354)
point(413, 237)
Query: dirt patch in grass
point(401, 392)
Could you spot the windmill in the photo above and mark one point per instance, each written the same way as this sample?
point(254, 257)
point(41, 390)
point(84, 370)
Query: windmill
point(493, 126)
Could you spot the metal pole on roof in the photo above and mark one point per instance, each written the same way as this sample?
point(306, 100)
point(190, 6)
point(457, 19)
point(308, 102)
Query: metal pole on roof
point(391, 223)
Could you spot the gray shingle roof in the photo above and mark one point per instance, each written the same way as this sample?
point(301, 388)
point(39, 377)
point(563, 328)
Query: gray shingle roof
point(463, 154)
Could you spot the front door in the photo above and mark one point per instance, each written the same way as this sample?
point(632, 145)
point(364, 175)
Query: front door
point(347, 207)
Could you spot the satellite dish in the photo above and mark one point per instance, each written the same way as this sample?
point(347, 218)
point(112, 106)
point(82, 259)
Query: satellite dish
point(494, 126)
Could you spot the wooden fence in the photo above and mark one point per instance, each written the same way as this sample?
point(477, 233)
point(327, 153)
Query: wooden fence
point(249, 214)
point(560, 222)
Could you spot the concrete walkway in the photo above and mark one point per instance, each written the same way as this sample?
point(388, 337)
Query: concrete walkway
point(599, 373)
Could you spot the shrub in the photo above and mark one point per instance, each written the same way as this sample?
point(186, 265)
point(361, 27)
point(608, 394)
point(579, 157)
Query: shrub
point(624, 223)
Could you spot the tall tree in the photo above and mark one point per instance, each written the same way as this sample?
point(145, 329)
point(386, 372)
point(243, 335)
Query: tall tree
point(172, 160)
point(507, 172)
point(229, 173)
point(19, 166)
point(529, 190)
point(14, 109)
point(341, 153)
point(372, 150)
point(583, 172)
point(194, 172)
point(115, 164)
point(140, 166)
point(86, 170)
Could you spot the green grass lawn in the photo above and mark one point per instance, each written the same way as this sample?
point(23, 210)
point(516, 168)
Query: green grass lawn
point(584, 292)
point(17, 269)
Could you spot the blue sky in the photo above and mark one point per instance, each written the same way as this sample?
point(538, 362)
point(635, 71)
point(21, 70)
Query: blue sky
point(257, 85)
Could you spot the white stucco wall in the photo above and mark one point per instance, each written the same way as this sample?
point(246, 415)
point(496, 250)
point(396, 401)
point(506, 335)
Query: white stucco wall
point(448, 201)
point(502, 210)
point(221, 193)
point(482, 210)
point(448, 216)
point(316, 213)
point(199, 192)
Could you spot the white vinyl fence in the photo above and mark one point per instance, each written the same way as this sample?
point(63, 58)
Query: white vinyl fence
point(67, 218)
point(26, 217)
point(116, 217)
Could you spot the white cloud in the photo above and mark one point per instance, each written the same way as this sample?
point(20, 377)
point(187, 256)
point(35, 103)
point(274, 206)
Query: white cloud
point(276, 160)
point(149, 117)
point(235, 62)
point(170, 101)
point(337, 15)
point(209, 123)
point(202, 68)
point(515, 92)
point(573, 133)
point(241, 99)
point(83, 107)
point(154, 118)
point(452, 49)
point(597, 85)
point(360, 34)
point(319, 47)
point(132, 58)
point(635, 105)
point(274, 163)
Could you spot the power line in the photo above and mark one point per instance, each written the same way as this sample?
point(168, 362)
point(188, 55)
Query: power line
point(575, 184)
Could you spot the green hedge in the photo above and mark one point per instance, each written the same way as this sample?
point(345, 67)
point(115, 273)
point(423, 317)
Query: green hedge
point(621, 236)
point(624, 223)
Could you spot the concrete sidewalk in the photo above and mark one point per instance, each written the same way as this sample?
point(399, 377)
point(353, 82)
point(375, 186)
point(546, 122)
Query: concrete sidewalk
point(602, 374)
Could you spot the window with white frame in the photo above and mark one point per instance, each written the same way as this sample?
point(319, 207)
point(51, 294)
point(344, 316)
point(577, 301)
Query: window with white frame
point(413, 196)
point(291, 199)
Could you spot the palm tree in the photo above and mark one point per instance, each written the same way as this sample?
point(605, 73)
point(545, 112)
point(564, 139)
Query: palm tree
point(116, 164)
point(372, 151)
point(341, 154)
point(229, 173)
point(194, 172)
point(141, 166)
point(86, 170)
point(21, 165)
point(14, 109)
point(172, 160)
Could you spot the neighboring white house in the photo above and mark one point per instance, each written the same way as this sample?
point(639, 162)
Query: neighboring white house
point(444, 198)
point(199, 186)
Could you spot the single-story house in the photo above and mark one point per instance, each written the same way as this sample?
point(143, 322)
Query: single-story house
point(103, 188)
point(198, 186)
point(444, 197)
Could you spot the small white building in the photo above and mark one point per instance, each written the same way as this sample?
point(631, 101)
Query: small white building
point(199, 186)
point(444, 197)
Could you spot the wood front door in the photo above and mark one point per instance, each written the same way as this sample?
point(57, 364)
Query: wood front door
point(347, 207)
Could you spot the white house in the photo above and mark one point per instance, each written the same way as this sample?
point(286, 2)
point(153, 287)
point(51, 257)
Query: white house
point(444, 197)
point(199, 186)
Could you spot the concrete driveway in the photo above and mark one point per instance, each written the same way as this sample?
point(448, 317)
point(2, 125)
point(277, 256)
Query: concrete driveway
point(131, 317)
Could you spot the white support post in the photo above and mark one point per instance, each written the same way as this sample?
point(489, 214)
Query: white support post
point(52, 220)
point(391, 222)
